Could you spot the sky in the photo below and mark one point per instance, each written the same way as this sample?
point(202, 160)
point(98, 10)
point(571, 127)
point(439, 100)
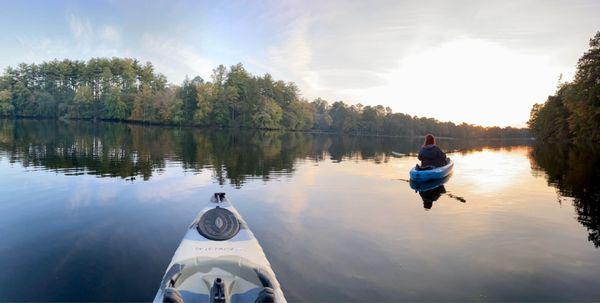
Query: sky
point(480, 62)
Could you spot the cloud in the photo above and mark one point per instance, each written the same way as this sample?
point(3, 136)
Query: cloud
point(38, 49)
point(80, 28)
point(174, 58)
point(369, 52)
point(467, 79)
point(94, 40)
point(292, 57)
point(110, 33)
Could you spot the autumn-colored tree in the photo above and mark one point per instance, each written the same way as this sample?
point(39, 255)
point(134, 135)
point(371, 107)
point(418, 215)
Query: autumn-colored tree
point(573, 113)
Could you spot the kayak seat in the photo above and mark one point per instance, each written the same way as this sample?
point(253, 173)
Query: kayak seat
point(172, 295)
point(428, 167)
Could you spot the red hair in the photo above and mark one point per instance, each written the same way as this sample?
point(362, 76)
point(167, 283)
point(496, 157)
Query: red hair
point(429, 139)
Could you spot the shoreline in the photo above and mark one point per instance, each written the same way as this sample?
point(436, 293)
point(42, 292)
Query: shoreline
point(209, 127)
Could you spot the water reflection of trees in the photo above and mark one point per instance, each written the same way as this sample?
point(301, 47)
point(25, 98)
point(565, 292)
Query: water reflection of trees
point(123, 150)
point(575, 172)
point(126, 150)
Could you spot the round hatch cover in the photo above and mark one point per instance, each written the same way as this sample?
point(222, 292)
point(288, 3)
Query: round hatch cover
point(218, 224)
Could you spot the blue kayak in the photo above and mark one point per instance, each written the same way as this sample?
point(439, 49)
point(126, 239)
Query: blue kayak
point(419, 174)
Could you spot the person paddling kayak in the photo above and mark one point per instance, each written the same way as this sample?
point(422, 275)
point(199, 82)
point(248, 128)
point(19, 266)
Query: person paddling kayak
point(430, 154)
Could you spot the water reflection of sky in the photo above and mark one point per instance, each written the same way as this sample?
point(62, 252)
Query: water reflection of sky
point(357, 223)
point(336, 226)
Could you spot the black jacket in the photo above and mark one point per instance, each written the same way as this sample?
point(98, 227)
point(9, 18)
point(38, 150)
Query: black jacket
point(431, 155)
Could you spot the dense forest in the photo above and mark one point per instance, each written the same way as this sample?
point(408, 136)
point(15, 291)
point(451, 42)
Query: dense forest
point(573, 113)
point(124, 89)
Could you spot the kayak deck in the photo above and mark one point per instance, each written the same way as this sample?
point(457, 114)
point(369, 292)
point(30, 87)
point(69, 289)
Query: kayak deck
point(432, 174)
point(209, 257)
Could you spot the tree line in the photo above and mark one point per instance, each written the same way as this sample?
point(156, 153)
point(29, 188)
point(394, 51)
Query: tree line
point(123, 89)
point(573, 112)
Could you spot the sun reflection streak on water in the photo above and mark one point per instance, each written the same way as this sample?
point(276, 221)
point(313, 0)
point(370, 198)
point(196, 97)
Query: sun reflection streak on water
point(490, 171)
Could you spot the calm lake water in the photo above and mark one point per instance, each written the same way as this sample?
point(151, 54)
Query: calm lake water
point(94, 212)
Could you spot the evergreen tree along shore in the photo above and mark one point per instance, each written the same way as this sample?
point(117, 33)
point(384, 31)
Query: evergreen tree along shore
point(573, 113)
point(123, 89)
